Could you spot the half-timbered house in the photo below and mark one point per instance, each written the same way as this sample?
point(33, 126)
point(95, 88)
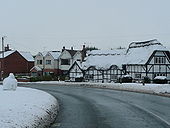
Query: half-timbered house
point(103, 65)
point(76, 71)
point(148, 58)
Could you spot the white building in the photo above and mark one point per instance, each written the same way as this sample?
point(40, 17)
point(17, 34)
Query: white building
point(68, 57)
point(48, 62)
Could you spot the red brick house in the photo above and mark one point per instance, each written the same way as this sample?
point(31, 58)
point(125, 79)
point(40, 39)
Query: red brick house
point(15, 62)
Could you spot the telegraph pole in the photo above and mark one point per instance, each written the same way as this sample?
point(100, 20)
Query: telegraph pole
point(2, 62)
point(3, 46)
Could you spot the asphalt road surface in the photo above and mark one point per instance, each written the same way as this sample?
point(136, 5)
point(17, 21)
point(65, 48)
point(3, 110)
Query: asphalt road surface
point(100, 108)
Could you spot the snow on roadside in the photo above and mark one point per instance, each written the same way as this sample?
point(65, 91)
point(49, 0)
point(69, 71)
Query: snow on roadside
point(27, 107)
point(136, 87)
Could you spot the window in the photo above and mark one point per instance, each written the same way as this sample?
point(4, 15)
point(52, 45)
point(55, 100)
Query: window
point(48, 62)
point(65, 62)
point(138, 75)
point(113, 76)
point(160, 60)
point(39, 62)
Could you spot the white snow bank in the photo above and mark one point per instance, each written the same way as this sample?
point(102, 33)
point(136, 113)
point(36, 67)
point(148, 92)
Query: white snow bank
point(136, 87)
point(27, 107)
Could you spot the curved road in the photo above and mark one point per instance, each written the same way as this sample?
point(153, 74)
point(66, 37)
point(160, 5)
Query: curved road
point(100, 108)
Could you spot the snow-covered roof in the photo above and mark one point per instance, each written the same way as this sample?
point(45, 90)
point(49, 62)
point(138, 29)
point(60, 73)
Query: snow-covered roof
point(139, 52)
point(107, 52)
point(26, 55)
point(103, 59)
point(6, 53)
point(44, 53)
point(55, 54)
point(36, 68)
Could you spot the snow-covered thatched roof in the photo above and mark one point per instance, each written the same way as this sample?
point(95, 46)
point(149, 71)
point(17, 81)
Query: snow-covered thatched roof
point(139, 52)
point(107, 52)
point(104, 59)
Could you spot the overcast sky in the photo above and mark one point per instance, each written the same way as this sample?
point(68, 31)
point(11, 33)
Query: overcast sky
point(37, 25)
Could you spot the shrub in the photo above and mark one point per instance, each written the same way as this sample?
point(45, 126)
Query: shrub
point(47, 78)
point(160, 80)
point(41, 78)
point(35, 79)
point(146, 79)
point(126, 79)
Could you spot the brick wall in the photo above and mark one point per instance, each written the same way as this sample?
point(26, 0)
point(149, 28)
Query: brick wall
point(15, 63)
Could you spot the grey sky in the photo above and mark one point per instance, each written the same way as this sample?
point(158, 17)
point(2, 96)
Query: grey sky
point(37, 25)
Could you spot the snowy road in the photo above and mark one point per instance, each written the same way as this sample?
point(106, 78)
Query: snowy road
point(101, 108)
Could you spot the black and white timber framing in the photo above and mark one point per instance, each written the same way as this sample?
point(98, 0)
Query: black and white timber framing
point(92, 74)
point(156, 63)
point(75, 71)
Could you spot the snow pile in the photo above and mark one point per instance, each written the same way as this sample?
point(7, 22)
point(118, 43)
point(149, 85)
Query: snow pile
point(10, 83)
point(27, 108)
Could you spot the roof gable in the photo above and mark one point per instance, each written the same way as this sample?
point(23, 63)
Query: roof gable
point(76, 63)
point(36, 68)
point(55, 54)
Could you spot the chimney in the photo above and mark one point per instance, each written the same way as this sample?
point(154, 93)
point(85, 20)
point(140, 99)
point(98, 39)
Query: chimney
point(84, 47)
point(63, 48)
point(7, 48)
point(83, 52)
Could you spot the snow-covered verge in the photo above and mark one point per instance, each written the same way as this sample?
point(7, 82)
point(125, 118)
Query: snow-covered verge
point(27, 108)
point(159, 89)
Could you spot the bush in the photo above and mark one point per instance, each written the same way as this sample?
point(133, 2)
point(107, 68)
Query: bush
point(41, 78)
point(146, 79)
point(160, 80)
point(79, 79)
point(126, 79)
